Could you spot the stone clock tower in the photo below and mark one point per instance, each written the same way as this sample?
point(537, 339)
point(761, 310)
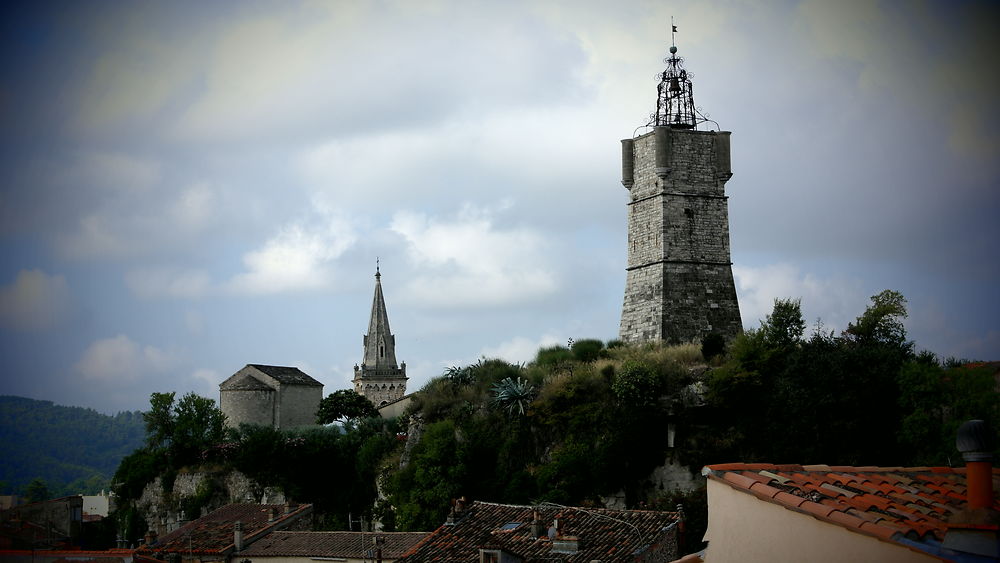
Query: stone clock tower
point(679, 280)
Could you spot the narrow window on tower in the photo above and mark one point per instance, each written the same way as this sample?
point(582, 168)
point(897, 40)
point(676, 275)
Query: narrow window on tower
point(381, 351)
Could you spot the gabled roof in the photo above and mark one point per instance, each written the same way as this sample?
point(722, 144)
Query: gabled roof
point(905, 505)
point(287, 375)
point(213, 533)
point(333, 544)
point(244, 381)
point(605, 535)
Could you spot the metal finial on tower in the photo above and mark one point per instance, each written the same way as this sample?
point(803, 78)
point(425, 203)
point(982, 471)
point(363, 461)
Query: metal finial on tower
point(674, 93)
point(377, 273)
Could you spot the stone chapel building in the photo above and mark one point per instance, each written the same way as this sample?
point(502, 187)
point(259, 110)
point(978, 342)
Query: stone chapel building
point(277, 396)
point(379, 378)
point(679, 278)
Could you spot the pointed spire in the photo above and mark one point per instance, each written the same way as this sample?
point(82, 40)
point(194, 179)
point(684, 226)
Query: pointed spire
point(380, 345)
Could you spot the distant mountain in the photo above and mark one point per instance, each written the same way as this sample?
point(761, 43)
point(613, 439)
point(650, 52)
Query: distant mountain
point(73, 449)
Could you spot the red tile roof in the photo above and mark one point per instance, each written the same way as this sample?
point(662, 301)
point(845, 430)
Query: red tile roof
point(213, 533)
point(602, 534)
point(905, 505)
point(333, 544)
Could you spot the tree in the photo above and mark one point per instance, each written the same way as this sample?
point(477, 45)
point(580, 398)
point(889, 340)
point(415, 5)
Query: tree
point(344, 405)
point(160, 420)
point(36, 491)
point(184, 429)
point(198, 425)
point(784, 326)
point(881, 322)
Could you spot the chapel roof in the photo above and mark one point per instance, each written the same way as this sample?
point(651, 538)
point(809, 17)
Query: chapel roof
point(603, 534)
point(333, 544)
point(244, 381)
point(287, 375)
point(909, 506)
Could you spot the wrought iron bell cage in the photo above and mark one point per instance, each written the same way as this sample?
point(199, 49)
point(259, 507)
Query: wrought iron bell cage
point(674, 96)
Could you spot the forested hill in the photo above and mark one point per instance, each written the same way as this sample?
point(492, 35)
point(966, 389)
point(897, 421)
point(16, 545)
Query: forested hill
point(72, 449)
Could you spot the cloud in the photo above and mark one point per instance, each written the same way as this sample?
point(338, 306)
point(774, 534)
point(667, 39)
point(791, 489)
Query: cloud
point(34, 301)
point(828, 299)
point(297, 258)
point(520, 349)
point(468, 261)
point(168, 282)
point(889, 45)
point(116, 172)
point(121, 222)
point(119, 360)
point(208, 376)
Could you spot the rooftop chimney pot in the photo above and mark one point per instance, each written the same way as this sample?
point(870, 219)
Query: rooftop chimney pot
point(975, 441)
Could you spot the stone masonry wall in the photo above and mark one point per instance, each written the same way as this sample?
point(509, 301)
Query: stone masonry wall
point(679, 283)
point(298, 406)
point(250, 406)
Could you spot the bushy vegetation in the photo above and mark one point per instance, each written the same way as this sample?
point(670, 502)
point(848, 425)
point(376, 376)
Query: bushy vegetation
point(588, 420)
point(332, 467)
point(576, 424)
point(597, 422)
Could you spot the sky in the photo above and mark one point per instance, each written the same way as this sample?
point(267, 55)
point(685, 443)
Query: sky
point(189, 187)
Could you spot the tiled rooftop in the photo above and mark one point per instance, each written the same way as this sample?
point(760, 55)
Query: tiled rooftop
point(333, 544)
point(905, 505)
point(605, 535)
point(213, 533)
point(287, 375)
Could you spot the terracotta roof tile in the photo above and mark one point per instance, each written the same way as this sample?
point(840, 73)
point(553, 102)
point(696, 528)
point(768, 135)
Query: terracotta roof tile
point(605, 535)
point(767, 491)
point(333, 544)
point(816, 508)
point(213, 533)
point(890, 503)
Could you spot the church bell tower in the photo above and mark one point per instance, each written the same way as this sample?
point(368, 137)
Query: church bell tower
point(679, 280)
point(379, 379)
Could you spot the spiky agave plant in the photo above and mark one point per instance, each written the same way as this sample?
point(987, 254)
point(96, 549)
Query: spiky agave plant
point(513, 395)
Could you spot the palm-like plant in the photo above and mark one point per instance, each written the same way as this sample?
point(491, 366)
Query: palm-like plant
point(513, 395)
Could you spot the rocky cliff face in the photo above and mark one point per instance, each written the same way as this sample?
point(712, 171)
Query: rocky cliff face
point(194, 494)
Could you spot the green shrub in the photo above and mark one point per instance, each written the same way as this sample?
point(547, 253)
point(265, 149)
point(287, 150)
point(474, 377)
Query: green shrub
point(587, 350)
point(553, 355)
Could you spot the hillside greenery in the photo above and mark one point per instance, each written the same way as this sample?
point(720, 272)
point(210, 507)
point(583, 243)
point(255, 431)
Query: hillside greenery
point(589, 420)
point(66, 450)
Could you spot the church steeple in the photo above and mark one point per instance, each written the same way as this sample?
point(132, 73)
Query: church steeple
point(378, 377)
point(380, 345)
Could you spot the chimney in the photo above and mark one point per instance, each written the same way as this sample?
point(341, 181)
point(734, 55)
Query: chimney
point(457, 511)
point(536, 525)
point(272, 514)
point(238, 536)
point(977, 528)
point(975, 442)
point(563, 543)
